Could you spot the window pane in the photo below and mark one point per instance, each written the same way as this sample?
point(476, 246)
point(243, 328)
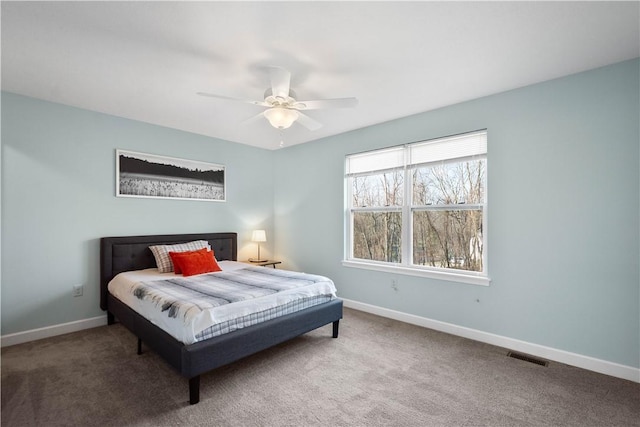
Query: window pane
point(383, 189)
point(377, 236)
point(449, 183)
point(448, 239)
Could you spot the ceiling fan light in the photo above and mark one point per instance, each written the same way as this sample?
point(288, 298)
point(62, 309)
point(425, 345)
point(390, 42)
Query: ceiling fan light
point(281, 118)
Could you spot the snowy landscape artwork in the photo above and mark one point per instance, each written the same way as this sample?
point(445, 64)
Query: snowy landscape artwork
point(149, 175)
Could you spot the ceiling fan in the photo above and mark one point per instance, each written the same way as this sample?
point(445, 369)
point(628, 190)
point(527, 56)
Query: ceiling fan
point(283, 109)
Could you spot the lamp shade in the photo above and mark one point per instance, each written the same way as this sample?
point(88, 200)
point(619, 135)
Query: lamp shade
point(259, 236)
point(281, 117)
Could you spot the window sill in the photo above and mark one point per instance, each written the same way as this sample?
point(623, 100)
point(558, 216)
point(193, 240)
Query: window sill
point(420, 272)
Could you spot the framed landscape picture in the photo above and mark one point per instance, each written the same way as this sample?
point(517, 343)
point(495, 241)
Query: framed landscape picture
point(149, 175)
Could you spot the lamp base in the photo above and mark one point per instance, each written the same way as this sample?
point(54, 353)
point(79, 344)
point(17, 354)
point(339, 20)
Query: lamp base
point(257, 260)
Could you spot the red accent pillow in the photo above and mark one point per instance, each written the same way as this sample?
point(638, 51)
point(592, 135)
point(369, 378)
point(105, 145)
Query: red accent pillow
point(195, 262)
point(176, 258)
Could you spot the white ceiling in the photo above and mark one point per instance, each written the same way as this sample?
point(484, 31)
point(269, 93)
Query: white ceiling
point(146, 60)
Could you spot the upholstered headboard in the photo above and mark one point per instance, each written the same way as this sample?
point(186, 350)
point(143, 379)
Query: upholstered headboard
point(118, 254)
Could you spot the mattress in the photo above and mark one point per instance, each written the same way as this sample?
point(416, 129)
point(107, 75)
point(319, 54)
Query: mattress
point(199, 307)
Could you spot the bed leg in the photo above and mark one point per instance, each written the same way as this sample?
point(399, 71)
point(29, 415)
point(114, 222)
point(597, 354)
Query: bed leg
point(111, 319)
point(335, 328)
point(194, 390)
point(139, 346)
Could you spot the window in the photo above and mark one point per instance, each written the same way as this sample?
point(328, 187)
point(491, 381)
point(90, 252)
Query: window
point(420, 208)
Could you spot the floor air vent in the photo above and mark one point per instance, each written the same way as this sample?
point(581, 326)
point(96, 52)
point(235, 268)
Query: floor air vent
point(527, 358)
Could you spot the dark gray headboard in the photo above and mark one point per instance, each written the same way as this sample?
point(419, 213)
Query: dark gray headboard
point(118, 254)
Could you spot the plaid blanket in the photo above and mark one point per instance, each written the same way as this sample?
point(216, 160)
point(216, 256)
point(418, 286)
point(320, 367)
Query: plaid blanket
point(186, 298)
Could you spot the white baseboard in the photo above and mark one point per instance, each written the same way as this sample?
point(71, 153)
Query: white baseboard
point(51, 331)
point(585, 362)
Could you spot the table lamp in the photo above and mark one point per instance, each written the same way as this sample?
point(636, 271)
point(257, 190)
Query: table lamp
point(258, 236)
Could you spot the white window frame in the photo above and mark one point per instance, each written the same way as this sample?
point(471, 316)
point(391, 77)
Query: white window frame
point(377, 165)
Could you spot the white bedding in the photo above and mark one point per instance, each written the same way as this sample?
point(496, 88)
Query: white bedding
point(186, 329)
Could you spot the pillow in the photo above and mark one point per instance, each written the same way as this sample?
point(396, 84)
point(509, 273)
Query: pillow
point(161, 253)
point(195, 262)
point(177, 257)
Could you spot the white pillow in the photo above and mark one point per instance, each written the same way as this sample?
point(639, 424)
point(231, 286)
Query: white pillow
point(161, 253)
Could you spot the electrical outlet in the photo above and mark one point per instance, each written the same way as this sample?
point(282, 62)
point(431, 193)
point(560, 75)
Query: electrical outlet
point(394, 284)
point(77, 290)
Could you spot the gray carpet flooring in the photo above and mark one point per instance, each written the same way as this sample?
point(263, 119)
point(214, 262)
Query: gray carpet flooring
point(379, 372)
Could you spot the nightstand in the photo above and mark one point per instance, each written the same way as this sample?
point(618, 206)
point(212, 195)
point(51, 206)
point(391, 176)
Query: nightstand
point(264, 263)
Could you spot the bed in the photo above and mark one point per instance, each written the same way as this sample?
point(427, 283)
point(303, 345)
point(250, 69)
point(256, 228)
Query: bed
point(129, 253)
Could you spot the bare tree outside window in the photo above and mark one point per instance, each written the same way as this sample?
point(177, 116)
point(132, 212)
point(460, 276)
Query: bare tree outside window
point(447, 215)
point(377, 229)
point(377, 236)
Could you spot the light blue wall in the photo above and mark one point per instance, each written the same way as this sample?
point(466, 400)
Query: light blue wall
point(58, 199)
point(563, 230)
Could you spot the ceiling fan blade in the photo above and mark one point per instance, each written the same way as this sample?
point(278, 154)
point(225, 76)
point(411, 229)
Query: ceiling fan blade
point(326, 103)
point(251, 120)
point(280, 82)
point(246, 101)
point(308, 122)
